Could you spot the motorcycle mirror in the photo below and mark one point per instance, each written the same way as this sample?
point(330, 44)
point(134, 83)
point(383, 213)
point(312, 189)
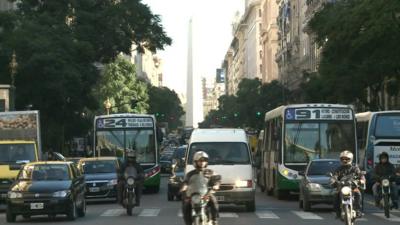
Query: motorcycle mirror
point(363, 172)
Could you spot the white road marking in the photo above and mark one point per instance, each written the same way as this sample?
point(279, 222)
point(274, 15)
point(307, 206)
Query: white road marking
point(180, 213)
point(392, 218)
point(113, 212)
point(149, 212)
point(307, 215)
point(228, 215)
point(264, 214)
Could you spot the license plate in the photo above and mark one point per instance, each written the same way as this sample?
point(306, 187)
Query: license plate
point(94, 189)
point(37, 205)
point(220, 198)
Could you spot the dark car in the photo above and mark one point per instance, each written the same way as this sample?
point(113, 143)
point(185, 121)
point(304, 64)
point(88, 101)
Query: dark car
point(175, 181)
point(314, 185)
point(47, 188)
point(101, 175)
point(166, 162)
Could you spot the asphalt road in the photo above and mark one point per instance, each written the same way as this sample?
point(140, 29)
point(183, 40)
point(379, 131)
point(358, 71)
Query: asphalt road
point(155, 210)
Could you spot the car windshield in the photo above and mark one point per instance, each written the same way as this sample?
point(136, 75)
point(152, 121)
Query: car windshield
point(106, 166)
point(45, 172)
point(166, 157)
point(222, 152)
point(17, 153)
point(322, 167)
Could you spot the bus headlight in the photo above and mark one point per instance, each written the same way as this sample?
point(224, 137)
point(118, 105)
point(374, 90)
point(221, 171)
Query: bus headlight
point(346, 191)
point(385, 183)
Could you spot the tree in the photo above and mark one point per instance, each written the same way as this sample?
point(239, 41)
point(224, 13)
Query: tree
point(166, 105)
point(360, 51)
point(125, 92)
point(57, 44)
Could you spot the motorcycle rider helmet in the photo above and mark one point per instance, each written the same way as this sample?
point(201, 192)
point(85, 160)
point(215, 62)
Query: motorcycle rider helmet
point(200, 160)
point(383, 155)
point(346, 157)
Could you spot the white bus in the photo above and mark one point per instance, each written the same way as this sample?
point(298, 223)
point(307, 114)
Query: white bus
point(378, 132)
point(296, 134)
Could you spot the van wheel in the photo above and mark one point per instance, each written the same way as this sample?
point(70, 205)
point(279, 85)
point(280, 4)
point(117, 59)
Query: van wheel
point(251, 206)
point(10, 217)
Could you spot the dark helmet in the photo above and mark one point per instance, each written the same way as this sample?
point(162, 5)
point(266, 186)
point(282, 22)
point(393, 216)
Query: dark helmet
point(383, 154)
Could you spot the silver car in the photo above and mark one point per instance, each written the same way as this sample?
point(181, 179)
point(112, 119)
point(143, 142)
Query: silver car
point(314, 185)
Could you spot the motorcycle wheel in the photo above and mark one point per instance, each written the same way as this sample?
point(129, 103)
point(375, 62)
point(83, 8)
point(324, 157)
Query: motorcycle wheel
point(386, 205)
point(347, 216)
point(129, 206)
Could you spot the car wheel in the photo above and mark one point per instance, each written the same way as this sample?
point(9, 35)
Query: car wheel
point(251, 206)
point(52, 216)
point(170, 197)
point(300, 201)
point(27, 217)
point(71, 213)
point(10, 217)
point(306, 204)
point(82, 209)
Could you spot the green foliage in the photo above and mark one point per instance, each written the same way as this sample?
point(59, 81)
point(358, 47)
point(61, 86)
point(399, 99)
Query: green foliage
point(361, 50)
point(248, 108)
point(166, 106)
point(57, 44)
point(120, 85)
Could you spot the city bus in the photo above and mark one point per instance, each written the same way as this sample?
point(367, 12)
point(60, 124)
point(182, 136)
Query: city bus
point(115, 134)
point(296, 134)
point(378, 132)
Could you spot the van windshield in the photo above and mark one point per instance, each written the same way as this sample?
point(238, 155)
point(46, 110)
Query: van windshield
point(228, 153)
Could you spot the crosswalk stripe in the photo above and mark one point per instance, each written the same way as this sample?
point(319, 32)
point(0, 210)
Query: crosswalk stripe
point(149, 212)
point(2, 215)
point(113, 212)
point(266, 215)
point(307, 215)
point(392, 218)
point(228, 215)
point(180, 213)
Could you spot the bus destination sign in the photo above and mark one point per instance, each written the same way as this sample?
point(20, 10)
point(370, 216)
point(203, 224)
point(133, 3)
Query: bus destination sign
point(318, 114)
point(124, 123)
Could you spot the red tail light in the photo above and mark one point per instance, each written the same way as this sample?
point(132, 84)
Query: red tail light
point(153, 172)
point(249, 183)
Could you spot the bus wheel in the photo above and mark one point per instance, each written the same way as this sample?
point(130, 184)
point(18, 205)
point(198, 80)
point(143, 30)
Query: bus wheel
point(279, 194)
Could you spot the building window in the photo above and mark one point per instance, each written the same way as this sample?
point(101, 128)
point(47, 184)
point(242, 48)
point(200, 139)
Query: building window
point(261, 68)
point(259, 13)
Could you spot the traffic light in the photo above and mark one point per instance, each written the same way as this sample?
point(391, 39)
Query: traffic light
point(258, 114)
point(236, 114)
point(157, 114)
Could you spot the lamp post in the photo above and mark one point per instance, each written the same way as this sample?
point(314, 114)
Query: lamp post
point(13, 70)
point(107, 105)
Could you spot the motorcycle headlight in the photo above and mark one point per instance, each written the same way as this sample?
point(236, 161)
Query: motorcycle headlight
point(112, 182)
point(346, 191)
point(13, 194)
point(314, 187)
point(196, 199)
point(385, 182)
point(130, 181)
point(61, 194)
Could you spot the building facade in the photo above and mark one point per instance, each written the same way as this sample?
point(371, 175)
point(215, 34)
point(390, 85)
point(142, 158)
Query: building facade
point(6, 5)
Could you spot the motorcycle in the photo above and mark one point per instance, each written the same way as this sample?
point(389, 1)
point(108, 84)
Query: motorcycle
point(386, 201)
point(198, 194)
point(345, 188)
point(129, 195)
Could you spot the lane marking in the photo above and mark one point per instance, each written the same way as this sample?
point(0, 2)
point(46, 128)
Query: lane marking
point(180, 214)
point(392, 218)
point(266, 215)
point(307, 215)
point(228, 215)
point(149, 212)
point(113, 212)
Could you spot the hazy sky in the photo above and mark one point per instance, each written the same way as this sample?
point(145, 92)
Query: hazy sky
point(213, 35)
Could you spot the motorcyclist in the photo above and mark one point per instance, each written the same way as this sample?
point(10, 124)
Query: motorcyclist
point(130, 161)
point(385, 169)
point(200, 161)
point(346, 169)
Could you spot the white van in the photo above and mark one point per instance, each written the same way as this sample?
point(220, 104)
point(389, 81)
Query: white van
point(230, 157)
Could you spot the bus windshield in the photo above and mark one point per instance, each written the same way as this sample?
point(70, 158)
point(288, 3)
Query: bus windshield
point(388, 126)
point(305, 141)
point(115, 142)
point(17, 153)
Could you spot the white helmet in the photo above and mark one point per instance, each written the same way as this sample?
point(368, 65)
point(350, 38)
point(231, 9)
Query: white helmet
point(200, 155)
point(346, 157)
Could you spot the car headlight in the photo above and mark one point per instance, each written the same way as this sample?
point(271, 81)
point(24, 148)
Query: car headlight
point(196, 199)
point(130, 181)
point(61, 194)
point(112, 182)
point(346, 191)
point(385, 182)
point(13, 194)
point(314, 187)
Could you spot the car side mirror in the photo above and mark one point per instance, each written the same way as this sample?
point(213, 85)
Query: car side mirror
point(302, 173)
point(329, 174)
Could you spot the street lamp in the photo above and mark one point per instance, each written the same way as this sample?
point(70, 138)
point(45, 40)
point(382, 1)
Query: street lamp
point(107, 105)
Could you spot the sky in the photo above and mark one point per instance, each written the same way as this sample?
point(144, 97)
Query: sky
point(212, 36)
